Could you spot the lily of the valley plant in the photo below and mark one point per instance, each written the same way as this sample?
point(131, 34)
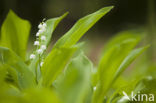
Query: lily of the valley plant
point(65, 74)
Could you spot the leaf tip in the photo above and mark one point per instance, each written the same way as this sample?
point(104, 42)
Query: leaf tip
point(108, 8)
point(111, 7)
point(64, 15)
point(11, 11)
point(105, 9)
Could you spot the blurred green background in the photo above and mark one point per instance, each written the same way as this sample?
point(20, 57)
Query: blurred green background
point(127, 14)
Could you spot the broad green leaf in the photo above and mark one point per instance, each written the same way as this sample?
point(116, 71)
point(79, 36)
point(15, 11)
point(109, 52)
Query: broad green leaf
point(7, 92)
point(54, 63)
point(51, 25)
point(26, 78)
point(122, 84)
point(11, 76)
point(3, 73)
point(112, 59)
point(39, 95)
point(128, 60)
point(123, 65)
point(109, 49)
point(144, 86)
point(75, 84)
point(8, 75)
point(33, 95)
point(113, 56)
point(147, 84)
point(15, 33)
point(124, 35)
point(145, 66)
point(81, 27)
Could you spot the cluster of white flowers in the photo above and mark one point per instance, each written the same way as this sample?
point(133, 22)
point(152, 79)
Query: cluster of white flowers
point(40, 38)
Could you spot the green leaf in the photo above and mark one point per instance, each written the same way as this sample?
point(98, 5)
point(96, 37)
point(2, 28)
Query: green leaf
point(115, 52)
point(123, 84)
point(39, 95)
point(112, 58)
point(144, 86)
point(80, 28)
point(114, 74)
point(121, 36)
point(11, 76)
point(25, 78)
point(3, 73)
point(51, 25)
point(15, 33)
point(54, 63)
point(128, 60)
point(75, 84)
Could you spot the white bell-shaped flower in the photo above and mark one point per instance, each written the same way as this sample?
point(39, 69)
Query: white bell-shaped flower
point(39, 51)
point(32, 56)
point(37, 43)
point(43, 47)
point(41, 31)
point(40, 26)
point(43, 38)
point(44, 25)
point(37, 34)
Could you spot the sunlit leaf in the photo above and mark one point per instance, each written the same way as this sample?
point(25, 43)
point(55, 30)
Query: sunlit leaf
point(41, 95)
point(54, 63)
point(81, 27)
point(129, 59)
point(15, 33)
point(116, 51)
